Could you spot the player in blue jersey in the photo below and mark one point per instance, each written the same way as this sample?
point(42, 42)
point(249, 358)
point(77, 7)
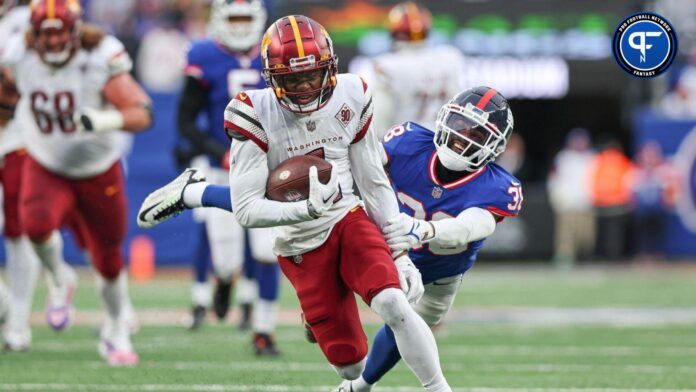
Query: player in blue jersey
point(217, 69)
point(451, 197)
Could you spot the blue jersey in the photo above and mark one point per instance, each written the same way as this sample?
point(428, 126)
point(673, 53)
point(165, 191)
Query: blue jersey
point(223, 74)
point(412, 161)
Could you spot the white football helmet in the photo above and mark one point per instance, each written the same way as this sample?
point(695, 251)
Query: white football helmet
point(237, 24)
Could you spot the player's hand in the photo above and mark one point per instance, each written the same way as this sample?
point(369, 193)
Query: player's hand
point(321, 196)
point(409, 278)
point(90, 120)
point(226, 160)
point(404, 232)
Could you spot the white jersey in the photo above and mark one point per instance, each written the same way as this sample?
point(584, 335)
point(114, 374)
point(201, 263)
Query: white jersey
point(15, 22)
point(335, 132)
point(52, 95)
point(411, 84)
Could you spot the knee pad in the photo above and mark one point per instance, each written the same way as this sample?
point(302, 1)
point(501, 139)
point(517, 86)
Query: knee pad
point(391, 305)
point(350, 372)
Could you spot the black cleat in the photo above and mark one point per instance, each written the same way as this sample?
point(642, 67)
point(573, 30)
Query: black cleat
point(245, 323)
point(197, 317)
point(264, 345)
point(221, 300)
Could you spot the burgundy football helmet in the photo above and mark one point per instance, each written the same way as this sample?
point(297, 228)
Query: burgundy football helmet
point(409, 22)
point(294, 46)
point(472, 129)
point(56, 28)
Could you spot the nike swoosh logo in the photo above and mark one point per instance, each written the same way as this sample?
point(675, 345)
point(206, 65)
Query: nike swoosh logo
point(142, 214)
point(329, 198)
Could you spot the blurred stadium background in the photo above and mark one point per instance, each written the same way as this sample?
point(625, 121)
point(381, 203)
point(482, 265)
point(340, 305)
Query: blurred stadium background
point(546, 307)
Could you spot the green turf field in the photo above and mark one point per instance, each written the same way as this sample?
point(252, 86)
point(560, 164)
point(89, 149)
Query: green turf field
point(511, 330)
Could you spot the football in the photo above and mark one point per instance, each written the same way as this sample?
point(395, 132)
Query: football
point(290, 180)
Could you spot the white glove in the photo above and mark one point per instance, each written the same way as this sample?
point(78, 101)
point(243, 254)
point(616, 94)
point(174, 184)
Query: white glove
point(409, 278)
point(404, 232)
point(322, 197)
point(98, 120)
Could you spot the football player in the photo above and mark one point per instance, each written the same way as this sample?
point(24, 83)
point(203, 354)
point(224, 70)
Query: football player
point(76, 88)
point(218, 69)
point(402, 90)
point(22, 263)
point(451, 196)
point(327, 246)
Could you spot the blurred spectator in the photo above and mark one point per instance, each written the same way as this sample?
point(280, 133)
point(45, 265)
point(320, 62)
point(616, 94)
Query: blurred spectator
point(570, 194)
point(653, 188)
point(512, 159)
point(681, 101)
point(611, 196)
point(161, 55)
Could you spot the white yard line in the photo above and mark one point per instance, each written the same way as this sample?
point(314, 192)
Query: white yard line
point(283, 388)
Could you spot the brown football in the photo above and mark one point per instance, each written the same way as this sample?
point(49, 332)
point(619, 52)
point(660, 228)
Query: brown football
point(290, 180)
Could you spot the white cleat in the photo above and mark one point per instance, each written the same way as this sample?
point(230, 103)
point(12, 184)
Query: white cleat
point(17, 339)
point(115, 345)
point(346, 386)
point(167, 201)
point(59, 307)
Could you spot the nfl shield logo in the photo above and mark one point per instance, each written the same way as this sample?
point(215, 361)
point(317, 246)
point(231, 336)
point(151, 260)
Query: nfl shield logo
point(437, 192)
point(297, 259)
point(311, 126)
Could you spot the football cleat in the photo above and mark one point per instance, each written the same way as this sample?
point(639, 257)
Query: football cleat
point(221, 299)
point(264, 345)
point(197, 317)
point(167, 201)
point(17, 339)
point(115, 345)
point(346, 386)
point(59, 307)
point(245, 322)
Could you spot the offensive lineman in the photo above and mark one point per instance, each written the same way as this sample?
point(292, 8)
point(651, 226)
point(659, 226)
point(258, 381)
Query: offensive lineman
point(328, 249)
point(76, 86)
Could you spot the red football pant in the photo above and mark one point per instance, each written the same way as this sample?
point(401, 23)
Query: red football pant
point(355, 258)
point(11, 177)
point(95, 208)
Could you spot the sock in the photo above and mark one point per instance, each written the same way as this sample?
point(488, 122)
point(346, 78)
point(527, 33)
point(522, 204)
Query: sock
point(50, 253)
point(413, 337)
point(246, 290)
point(203, 194)
point(216, 196)
point(22, 271)
point(202, 294)
point(268, 278)
point(112, 297)
point(384, 355)
point(360, 385)
point(265, 315)
point(203, 261)
point(193, 194)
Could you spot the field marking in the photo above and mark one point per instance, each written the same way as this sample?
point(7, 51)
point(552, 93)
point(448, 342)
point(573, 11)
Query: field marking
point(543, 316)
point(565, 350)
point(284, 388)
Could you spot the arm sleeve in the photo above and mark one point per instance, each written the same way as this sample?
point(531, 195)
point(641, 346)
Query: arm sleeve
point(194, 98)
point(248, 176)
point(470, 225)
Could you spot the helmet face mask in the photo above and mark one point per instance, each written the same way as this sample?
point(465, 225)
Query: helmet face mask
point(56, 30)
point(468, 137)
point(237, 25)
point(299, 63)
